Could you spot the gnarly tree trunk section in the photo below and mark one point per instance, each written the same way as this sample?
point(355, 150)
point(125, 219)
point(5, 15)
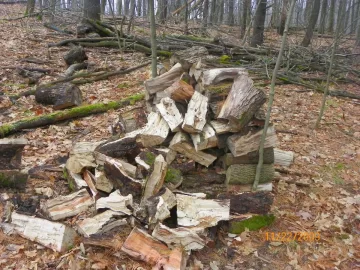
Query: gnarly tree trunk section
point(259, 21)
point(312, 23)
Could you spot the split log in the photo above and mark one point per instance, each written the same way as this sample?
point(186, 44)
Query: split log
point(239, 174)
point(75, 55)
point(68, 206)
point(156, 178)
point(133, 119)
point(242, 102)
point(240, 145)
point(179, 91)
point(283, 158)
point(11, 153)
point(222, 127)
point(123, 147)
point(89, 178)
point(249, 202)
point(155, 131)
point(218, 75)
point(250, 158)
point(116, 202)
point(217, 95)
point(192, 211)
point(144, 247)
point(170, 113)
point(75, 180)
point(165, 80)
point(102, 182)
point(181, 144)
point(55, 236)
point(75, 67)
point(62, 96)
point(121, 180)
point(195, 117)
point(178, 237)
point(247, 188)
point(189, 56)
point(101, 223)
point(206, 139)
point(13, 179)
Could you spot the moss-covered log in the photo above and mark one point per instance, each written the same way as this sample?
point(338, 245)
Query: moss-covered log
point(253, 223)
point(55, 117)
point(239, 174)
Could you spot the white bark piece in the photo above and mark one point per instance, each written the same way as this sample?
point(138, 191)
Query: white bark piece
point(101, 223)
point(193, 211)
point(68, 206)
point(142, 163)
point(222, 127)
point(178, 237)
point(156, 178)
point(78, 181)
point(245, 188)
point(102, 182)
point(283, 158)
point(159, 206)
point(181, 143)
point(240, 145)
point(170, 113)
point(195, 117)
point(206, 139)
point(217, 75)
point(155, 131)
point(53, 235)
point(90, 181)
point(116, 202)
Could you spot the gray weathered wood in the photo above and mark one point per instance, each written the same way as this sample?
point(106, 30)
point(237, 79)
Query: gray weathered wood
point(11, 153)
point(170, 113)
point(283, 158)
point(102, 182)
point(206, 139)
point(116, 202)
point(155, 131)
point(195, 117)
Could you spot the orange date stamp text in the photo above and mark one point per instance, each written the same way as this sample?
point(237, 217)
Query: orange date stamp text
point(292, 236)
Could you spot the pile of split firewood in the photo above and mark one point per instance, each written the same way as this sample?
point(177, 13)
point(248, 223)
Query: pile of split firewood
point(186, 167)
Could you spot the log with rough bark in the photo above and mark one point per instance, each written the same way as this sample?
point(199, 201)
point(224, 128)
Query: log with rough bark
point(11, 153)
point(142, 246)
point(102, 182)
point(192, 211)
point(222, 127)
point(68, 206)
point(206, 139)
point(165, 80)
point(55, 117)
point(178, 237)
point(116, 202)
point(243, 101)
point(250, 158)
point(121, 180)
point(156, 178)
point(189, 56)
point(218, 75)
point(240, 145)
point(53, 235)
point(75, 67)
point(249, 202)
point(62, 96)
point(13, 179)
point(75, 55)
point(239, 174)
point(181, 144)
point(155, 131)
point(170, 113)
point(283, 158)
point(179, 91)
point(101, 223)
point(195, 117)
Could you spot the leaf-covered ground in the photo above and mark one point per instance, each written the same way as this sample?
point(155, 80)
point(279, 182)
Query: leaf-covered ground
point(327, 159)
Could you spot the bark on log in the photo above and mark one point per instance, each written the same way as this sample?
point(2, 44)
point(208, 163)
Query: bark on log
point(249, 158)
point(240, 145)
point(249, 202)
point(239, 174)
point(195, 117)
point(155, 131)
point(11, 152)
point(222, 127)
point(179, 91)
point(218, 75)
point(13, 179)
point(142, 246)
point(116, 202)
point(68, 206)
point(283, 158)
point(181, 143)
point(62, 96)
point(55, 236)
point(206, 139)
point(233, 189)
point(75, 55)
point(170, 113)
point(189, 56)
point(133, 119)
point(75, 67)
point(102, 182)
point(242, 102)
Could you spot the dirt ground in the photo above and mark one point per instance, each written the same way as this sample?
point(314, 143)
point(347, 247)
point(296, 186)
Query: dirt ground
point(327, 159)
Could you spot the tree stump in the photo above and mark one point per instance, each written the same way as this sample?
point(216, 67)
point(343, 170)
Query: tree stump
point(75, 55)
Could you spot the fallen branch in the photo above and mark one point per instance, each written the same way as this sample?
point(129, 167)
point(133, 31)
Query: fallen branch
point(55, 117)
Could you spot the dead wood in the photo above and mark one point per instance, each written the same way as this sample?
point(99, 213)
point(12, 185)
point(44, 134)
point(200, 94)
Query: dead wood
point(11, 153)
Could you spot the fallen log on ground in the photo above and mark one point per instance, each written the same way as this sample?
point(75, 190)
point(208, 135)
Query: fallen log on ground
point(55, 117)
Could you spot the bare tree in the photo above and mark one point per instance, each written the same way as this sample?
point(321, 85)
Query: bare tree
point(231, 19)
point(259, 24)
point(312, 22)
point(213, 12)
point(245, 12)
point(283, 17)
point(92, 9)
point(30, 7)
point(324, 8)
point(119, 7)
point(331, 16)
point(205, 13)
point(153, 39)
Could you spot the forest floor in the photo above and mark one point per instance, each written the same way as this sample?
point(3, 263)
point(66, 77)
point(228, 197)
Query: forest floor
point(328, 159)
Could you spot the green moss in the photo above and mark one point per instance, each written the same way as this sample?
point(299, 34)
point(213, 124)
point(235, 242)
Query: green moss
point(13, 180)
point(224, 59)
point(149, 158)
point(123, 85)
point(172, 175)
point(164, 54)
point(253, 224)
point(220, 88)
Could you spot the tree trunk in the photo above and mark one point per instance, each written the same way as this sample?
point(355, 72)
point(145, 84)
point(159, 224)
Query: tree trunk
point(103, 5)
point(245, 12)
point(92, 10)
point(213, 12)
point(145, 8)
point(274, 14)
point(221, 12)
point(162, 11)
point(357, 42)
point(30, 7)
point(153, 39)
point(205, 13)
point(119, 7)
point(186, 30)
point(126, 7)
point(324, 8)
point(259, 21)
point(138, 8)
point(308, 8)
point(283, 17)
point(312, 23)
point(231, 19)
point(331, 16)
